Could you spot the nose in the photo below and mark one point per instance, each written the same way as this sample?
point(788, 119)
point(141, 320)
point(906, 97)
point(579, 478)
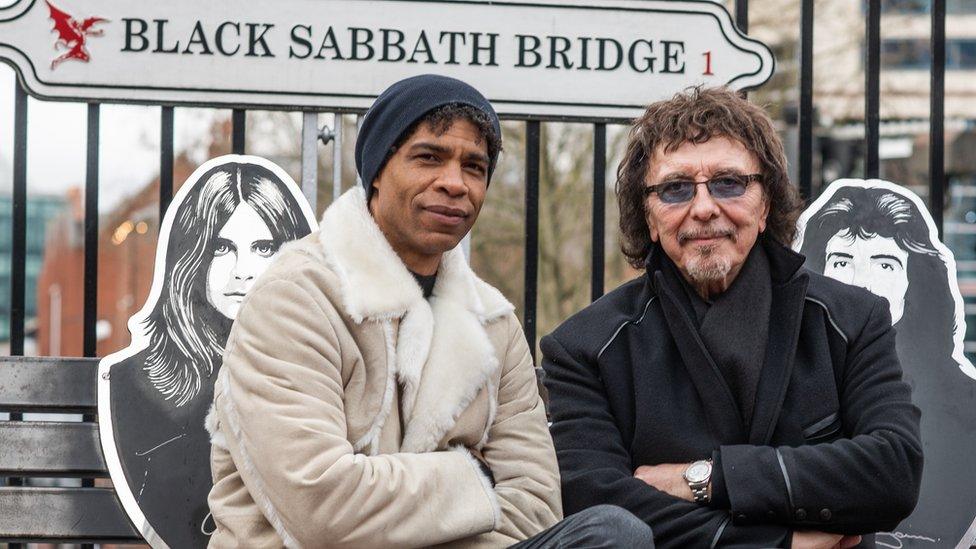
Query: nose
point(245, 268)
point(861, 278)
point(451, 180)
point(703, 206)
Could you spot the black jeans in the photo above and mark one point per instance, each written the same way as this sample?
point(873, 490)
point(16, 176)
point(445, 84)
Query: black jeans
point(603, 526)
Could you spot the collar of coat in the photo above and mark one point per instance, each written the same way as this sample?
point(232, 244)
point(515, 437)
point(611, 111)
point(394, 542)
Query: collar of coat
point(789, 284)
point(439, 351)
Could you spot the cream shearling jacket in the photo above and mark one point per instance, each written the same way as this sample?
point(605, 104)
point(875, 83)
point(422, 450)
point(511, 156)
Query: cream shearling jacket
point(350, 411)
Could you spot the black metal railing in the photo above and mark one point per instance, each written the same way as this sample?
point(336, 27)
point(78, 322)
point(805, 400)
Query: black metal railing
point(804, 159)
point(937, 117)
point(533, 132)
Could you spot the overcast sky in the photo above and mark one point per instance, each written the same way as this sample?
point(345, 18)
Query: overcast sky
point(56, 146)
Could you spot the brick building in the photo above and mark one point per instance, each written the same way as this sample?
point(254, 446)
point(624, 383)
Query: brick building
point(126, 255)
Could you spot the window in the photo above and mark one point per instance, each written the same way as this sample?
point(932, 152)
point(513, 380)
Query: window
point(961, 6)
point(911, 54)
point(953, 7)
point(904, 6)
point(915, 54)
point(961, 54)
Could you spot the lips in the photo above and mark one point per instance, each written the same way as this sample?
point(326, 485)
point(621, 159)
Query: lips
point(235, 295)
point(446, 215)
point(703, 237)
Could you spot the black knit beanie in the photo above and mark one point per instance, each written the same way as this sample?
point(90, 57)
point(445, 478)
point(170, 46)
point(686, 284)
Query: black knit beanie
point(402, 104)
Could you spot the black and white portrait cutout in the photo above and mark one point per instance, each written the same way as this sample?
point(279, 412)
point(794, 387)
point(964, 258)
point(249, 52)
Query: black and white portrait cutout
point(879, 236)
point(223, 229)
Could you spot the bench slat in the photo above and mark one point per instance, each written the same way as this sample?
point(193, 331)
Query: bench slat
point(94, 515)
point(50, 449)
point(48, 384)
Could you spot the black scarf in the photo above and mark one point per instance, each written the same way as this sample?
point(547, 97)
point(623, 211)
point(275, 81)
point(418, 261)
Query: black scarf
point(734, 325)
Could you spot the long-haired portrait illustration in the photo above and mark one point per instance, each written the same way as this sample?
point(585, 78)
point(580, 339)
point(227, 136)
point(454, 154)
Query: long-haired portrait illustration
point(222, 230)
point(224, 235)
point(879, 236)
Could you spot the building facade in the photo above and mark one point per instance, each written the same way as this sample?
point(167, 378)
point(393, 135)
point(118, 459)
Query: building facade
point(40, 210)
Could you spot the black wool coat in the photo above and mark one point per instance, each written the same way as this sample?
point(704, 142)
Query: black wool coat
point(833, 443)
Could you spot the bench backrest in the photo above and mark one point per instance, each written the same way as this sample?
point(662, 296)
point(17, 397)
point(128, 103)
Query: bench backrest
point(55, 449)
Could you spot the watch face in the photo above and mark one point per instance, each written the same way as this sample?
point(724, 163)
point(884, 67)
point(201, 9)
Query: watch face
point(698, 471)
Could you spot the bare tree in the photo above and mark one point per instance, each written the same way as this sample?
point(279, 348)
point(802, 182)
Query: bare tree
point(565, 222)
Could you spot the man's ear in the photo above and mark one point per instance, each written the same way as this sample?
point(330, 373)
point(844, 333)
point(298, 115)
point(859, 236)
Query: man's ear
point(375, 192)
point(651, 225)
point(765, 213)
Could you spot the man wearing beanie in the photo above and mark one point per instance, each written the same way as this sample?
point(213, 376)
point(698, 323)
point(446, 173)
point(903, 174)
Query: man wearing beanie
point(375, 392)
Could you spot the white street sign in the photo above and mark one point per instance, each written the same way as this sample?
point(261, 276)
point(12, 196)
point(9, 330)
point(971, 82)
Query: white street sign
point(605, 58)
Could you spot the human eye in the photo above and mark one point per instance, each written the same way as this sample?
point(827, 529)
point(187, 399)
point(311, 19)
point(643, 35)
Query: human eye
point(426, 157)
point(265, 248)
point(476, 168)
point(727, 180)
point(840, 264)
point(223, 247)
point(728, 186)
point(675, 191)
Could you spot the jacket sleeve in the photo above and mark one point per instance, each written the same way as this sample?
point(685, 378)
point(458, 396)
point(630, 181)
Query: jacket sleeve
point(279, 400)
point(865, 482)
point(519, 448)
point(596, 466)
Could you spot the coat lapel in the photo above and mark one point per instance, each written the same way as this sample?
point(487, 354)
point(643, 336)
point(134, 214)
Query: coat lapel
point(461, 360)
point(786, 315)
point(439, 351)
point(721, 410)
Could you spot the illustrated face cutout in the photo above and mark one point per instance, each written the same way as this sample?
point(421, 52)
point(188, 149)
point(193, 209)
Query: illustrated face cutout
point(875, 263)
point(879, 236)
point(244, 249)
point(223, 229)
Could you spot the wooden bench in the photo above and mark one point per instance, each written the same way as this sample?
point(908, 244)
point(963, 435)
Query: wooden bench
point(55, 449)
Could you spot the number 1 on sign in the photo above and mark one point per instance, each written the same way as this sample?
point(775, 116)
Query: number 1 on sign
point(708, 64)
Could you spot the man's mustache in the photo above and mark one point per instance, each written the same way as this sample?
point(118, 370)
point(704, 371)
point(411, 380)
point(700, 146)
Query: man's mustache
point(707, 232)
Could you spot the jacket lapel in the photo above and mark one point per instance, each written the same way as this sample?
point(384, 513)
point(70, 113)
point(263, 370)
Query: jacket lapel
point(439, 352)
point(786, 315)
point(721, 410)
point(461, 360)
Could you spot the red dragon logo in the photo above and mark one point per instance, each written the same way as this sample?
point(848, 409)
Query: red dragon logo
point(72, 35)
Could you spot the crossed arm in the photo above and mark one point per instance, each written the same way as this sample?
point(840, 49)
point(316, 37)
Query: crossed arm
point(669, 478)
point(280, 403)
point(870, 478)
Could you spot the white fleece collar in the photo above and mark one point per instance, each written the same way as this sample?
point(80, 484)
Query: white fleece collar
point(376, 284)
point(442, 356)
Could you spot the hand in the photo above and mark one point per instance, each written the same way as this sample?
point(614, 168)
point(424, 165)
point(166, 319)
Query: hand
point(822, 540)
point(668, 478)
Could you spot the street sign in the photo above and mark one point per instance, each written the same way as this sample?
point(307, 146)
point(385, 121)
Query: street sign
point(546, 58)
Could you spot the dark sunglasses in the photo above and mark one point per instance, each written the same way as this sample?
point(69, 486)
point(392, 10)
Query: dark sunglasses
point(720, 187)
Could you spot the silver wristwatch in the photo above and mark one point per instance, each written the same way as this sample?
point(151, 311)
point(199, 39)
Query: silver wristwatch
point(697, 475)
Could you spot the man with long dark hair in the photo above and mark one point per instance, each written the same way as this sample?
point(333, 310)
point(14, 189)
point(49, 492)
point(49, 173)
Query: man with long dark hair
point(879, 236)
point(729, 397)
